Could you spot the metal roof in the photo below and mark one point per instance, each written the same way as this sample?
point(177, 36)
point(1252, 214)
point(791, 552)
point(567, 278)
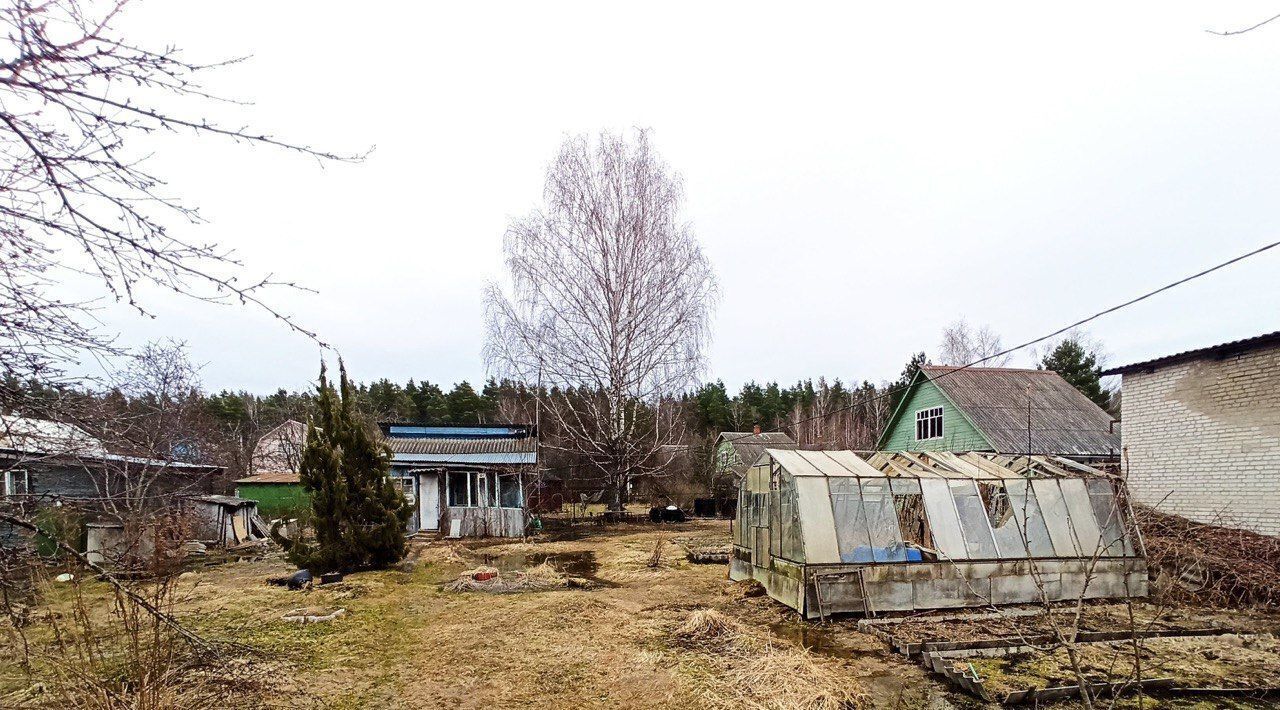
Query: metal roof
point(1220, 350)
point(42, 436)
point(473, 459)
point(982, 466)
point(30, 438)
point(1063, 420)
point(750, 445)
point(272, 477)
point(455, 431)
point(439, 445)
point(228, 501)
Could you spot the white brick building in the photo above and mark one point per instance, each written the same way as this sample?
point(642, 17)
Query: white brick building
point(1202, 431)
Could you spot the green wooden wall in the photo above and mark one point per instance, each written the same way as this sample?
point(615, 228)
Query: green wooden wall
point(957, 433)
point(275, 499)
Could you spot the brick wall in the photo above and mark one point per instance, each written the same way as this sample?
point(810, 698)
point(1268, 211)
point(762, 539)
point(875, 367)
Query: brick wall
point(1204, 439)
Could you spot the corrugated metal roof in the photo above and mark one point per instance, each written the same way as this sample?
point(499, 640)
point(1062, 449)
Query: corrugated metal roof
point(1063, 420)
point(440, 445)
point(528, 457)
point(1219, 350)
point(44, 438)
point(749, 446)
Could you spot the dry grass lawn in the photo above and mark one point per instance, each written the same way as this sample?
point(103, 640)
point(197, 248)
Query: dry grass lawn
point(406, 642)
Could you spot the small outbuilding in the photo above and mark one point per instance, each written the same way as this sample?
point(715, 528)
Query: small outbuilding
point(831, 532)
point(224, 520)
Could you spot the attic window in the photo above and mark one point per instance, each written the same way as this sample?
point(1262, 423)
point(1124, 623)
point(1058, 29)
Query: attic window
point(929, 423)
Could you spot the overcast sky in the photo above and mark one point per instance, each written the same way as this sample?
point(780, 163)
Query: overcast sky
point(859, 177)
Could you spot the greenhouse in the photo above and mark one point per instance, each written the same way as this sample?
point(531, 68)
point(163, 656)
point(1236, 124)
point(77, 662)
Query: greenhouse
point(830, 532)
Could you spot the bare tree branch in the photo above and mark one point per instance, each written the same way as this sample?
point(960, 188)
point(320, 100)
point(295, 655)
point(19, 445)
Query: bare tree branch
point(74, 195)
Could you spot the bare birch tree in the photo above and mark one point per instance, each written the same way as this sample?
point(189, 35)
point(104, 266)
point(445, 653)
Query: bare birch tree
point(609, 305)
point(76, 197)
point(962, 344)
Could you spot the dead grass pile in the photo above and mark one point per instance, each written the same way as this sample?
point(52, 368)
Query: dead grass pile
point(1208, 564)
point(749, 671)
point(493, 581)
point(639, 562)
point(706, 625)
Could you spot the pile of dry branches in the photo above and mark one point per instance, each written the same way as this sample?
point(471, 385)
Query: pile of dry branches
point(1208, 564)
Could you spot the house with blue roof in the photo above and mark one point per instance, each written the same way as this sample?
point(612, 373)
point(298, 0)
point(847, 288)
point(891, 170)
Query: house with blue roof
point(464, 481)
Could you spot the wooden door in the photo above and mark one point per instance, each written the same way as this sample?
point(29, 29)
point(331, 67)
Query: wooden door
point(429, 501)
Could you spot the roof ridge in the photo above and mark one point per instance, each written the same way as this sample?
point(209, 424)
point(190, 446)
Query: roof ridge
point(984, 369)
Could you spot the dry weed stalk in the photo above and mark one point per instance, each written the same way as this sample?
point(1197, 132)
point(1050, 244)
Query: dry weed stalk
point(109, 637)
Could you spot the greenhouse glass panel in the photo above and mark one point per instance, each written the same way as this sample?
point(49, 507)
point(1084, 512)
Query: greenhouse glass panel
point(1000, 515)
point(1056, 517)
point(1111, 519)
point(913, 523)
point(792, 545)
point(943, 521)
point(882, 521)
point(973, 519)
point(1030, 519)
point(1083, 522)
point(851, 522)
point(775, 521)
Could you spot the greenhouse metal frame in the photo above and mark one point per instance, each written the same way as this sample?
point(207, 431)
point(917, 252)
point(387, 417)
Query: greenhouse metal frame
point(831, 532)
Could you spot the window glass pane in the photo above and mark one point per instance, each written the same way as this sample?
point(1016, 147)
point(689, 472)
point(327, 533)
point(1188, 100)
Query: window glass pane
point(509, 492)
point(851, 523)
point(973, 519)
point(943, 521)
point(882, 521)
point(457, 489)
point(1030, 520)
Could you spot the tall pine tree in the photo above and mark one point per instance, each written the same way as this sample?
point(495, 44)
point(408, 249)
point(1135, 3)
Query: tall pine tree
point(1079, 367)
point(358, 512)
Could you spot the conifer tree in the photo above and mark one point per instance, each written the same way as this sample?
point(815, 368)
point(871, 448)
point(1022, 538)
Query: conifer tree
point(358, 512)
point(1079, 367)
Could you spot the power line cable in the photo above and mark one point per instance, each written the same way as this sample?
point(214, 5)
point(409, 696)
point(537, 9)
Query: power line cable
point(1042, 338)
point(1006, 351)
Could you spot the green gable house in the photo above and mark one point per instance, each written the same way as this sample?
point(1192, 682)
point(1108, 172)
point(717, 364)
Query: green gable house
point(1002, 410)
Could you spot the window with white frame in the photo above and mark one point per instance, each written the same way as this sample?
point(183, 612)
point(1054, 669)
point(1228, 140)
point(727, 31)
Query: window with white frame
point(407, 489)
point(510, 494)
point(478, 489)
point(16, 483)
point(458, 489)
point(929, 423)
